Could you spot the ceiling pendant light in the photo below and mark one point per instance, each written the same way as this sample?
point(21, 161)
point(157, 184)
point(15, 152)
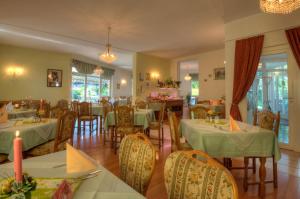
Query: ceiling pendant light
point(187, 77)
point(279, 6)
point(98, 70)
point(108, 56)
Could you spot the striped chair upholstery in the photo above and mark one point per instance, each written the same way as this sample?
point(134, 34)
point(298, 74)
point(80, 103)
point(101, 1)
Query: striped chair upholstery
point(137, 161)
point(193, 175)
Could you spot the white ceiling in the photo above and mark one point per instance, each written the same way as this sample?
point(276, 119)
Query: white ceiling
point(165, 28)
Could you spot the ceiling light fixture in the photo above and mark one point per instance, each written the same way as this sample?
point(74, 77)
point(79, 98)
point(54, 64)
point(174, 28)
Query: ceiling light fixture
point(98, 70)
point(279, 6)
point(108, 56)
point(187, 77)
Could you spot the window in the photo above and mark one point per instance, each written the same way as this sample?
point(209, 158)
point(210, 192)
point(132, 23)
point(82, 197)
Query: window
point(195, 87)
point(89, 87)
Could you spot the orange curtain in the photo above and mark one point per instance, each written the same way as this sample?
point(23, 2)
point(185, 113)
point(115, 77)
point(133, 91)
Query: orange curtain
point(293, 36)
point(247, 56)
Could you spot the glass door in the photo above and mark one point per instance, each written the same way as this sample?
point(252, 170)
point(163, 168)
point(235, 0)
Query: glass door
point(270, 91)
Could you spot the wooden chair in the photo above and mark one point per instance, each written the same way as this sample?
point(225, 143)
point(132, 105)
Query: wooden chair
point(56, 112)
point(175, 139)
point(85, 115)
point(137, 161)
point(44, 112)
point(198, 112)
point(124, 123)
point(158, 125)
point(63, 104)
point(207, 102)
point(141, 104)
point(64, 134)
point(267, 120)
point(194, 174)
point(3, 158)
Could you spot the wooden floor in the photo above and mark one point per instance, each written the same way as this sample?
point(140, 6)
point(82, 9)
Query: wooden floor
point(288, 168)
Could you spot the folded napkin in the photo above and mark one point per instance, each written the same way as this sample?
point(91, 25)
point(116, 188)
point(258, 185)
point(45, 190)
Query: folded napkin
point(3, 115)
point(233, 125)
point(78, 163)
point(9, 107)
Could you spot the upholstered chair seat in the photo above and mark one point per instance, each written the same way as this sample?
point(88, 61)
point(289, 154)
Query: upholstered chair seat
point(46, 148)
point(193, 174)
point(137, 161)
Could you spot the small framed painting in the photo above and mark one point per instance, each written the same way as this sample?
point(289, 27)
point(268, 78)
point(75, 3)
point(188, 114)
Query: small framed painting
point(54, 78)
point(148, 76)
point(118, 85)
point(219, 73)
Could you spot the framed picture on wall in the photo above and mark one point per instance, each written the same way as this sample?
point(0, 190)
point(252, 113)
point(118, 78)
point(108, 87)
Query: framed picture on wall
point(54, 78)
point(118, 85)
point(148, 77)
point(219, 73)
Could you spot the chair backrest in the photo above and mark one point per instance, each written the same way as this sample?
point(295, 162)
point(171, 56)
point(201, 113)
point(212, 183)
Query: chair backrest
point(162, 112)
point(45, 109)
point(267, 119)
point(137, 161)
point(75, 107)
point(193, 174)
point(107, 107)
point(63, 104)
point(175, 139)
point(124, 116)
point(198, 112)
point(207, 102)
point(141, 104)
point(56, 112)
point(85, 109)
point(65, 130)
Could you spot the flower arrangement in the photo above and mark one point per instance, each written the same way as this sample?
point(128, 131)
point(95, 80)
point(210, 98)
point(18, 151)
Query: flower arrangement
point(9, 188)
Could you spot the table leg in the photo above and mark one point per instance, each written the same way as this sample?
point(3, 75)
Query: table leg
point(262, 177)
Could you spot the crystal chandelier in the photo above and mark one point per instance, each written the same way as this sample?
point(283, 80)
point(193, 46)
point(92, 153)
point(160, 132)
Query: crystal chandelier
point(108, 56)
point(279, 6)
point(98, 70)
point(187, 77)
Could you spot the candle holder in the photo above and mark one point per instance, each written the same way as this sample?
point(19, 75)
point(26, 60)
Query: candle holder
point(10, 188)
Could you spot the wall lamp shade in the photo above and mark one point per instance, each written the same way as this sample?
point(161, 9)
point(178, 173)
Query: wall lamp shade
point(14, 71)
point(123, 82)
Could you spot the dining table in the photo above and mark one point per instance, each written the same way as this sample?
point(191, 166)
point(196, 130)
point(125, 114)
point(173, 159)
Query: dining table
point(33, 133)
point(21, 113)
point(142, 118)
point(103, 186)
point(216, 139)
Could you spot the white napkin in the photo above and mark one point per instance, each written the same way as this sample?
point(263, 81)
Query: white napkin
point(9, 107)
point(78, 163)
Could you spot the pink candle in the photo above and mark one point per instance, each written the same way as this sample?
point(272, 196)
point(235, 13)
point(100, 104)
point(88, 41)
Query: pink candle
point(18, 158)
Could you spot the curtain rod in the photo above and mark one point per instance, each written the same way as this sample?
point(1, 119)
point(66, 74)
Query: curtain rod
point(262, 33)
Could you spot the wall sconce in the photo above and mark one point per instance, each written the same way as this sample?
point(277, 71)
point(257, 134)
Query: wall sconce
point(123, 81)
point(154, 75)
point(14, 71)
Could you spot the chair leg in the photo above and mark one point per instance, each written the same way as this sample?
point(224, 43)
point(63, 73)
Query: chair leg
point(159, 138)
point(79, 126)
point(254, 165)
point(83, 126)
point(91, 126)
point(162, 131)
point(101, 124)
point(275, 180)
point(246, 162)
point(115, 143)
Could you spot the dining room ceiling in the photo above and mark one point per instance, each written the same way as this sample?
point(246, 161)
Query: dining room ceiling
point(168, 28)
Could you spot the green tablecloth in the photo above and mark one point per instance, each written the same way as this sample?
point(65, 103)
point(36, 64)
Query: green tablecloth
point(218, 141)
point(104, 186)
point(18, 113)
point(32, 135)
point(97, 109)
point(141, 118)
